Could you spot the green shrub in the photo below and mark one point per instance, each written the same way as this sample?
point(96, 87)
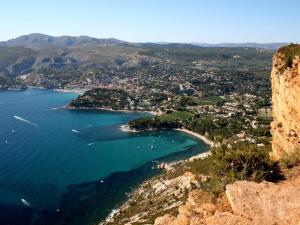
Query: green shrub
point(290, 51)
point(242, 161)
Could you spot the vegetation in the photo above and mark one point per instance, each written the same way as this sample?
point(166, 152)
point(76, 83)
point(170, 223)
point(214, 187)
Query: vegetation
point(215, 128)
point(210, 100)
point(290, 51)
point(102, 98)
point(153, 123)
point(166, 121)
point(176, 116)
point(242, 161)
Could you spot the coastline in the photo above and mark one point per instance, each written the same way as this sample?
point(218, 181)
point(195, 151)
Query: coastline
point(76, 91)
point(199, 136)
point(210, 143)
point(168, 167)
point(107, 109)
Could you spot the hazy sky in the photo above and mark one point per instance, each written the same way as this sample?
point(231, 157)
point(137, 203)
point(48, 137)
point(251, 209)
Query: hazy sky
point(211, 21)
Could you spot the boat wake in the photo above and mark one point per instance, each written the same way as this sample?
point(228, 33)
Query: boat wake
point(25, 121)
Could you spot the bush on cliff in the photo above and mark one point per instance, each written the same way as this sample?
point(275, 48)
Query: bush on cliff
point(242, 161)
point(290, 51)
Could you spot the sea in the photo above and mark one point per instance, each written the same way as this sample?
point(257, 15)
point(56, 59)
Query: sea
point(73, 167)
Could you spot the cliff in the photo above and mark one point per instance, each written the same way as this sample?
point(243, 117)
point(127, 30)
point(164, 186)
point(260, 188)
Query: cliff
point(250, 203)
point(286, 101)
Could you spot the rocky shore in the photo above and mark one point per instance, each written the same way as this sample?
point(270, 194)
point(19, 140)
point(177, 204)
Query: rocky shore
point(160, 194)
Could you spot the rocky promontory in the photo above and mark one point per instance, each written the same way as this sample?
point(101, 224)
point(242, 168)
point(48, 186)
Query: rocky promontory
point(286, 101)
point(245, 203)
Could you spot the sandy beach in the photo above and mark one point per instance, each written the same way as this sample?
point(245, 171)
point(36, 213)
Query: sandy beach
point(201, 137)
point(108, 109)
point(76, 91)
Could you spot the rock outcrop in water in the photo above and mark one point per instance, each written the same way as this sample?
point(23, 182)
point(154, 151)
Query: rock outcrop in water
point(286, 101)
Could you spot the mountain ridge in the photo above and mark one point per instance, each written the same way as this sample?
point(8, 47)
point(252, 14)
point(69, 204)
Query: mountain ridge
point(39, 40)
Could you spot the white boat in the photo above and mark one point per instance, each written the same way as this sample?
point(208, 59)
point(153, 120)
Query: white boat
point(25, 202)
point(75, 131)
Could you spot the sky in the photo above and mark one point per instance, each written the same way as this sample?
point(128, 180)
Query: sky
point(202, 21)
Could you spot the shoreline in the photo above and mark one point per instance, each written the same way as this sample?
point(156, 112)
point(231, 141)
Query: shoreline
point(107, 109)
point(75, 91)
point(167, 166)
point(199, 136)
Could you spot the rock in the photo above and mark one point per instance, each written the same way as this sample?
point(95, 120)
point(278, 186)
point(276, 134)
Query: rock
point(181, 220)
point(226, 218)
point(198, 197)
point(185, 210)
point(209, 208)
point(285, 127)
point(266, 203)
point(164, 220)
point(196, 221)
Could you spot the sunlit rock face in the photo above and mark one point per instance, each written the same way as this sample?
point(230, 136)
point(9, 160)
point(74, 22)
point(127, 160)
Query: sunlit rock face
point(286, 105)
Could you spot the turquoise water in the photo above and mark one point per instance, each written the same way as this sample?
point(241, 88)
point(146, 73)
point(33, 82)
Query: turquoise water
point(59, 160)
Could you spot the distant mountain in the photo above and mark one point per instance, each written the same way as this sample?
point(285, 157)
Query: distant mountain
point(37, 40)
point(35, 53)
point(271, 46)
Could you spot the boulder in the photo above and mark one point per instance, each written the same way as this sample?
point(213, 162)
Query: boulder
point(266, 203)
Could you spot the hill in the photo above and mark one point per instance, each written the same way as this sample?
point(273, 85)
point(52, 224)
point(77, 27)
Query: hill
point(32, 52)
point(86, 62)
point(37, 41)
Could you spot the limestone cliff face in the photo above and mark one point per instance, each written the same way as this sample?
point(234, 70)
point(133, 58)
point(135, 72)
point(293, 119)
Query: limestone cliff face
point(286, 104)
point(250, 203)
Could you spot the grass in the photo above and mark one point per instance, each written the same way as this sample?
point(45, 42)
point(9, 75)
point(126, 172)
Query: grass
point(198, 166)
point(176, 116)
point(210, 100)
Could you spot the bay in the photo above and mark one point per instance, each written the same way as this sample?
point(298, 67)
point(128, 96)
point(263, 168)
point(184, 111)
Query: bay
point(73, 167)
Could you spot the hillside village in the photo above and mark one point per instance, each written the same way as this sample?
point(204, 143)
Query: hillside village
point(238, 182)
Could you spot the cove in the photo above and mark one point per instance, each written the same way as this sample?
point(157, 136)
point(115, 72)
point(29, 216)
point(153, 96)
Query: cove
point(73, 167)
